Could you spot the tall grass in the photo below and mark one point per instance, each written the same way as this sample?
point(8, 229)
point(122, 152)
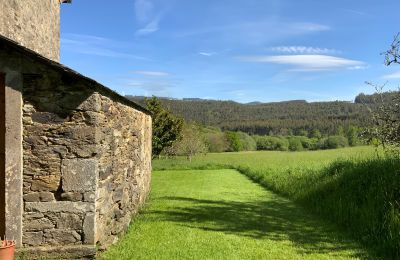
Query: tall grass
point(351, 187)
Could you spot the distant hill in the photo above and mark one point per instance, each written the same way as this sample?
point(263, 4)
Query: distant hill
point(276, 118)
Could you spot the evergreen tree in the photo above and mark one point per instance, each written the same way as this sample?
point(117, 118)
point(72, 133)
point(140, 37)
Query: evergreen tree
point(166, 127)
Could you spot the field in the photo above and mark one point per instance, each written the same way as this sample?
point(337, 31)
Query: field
point(221, 214)
point(355, 189)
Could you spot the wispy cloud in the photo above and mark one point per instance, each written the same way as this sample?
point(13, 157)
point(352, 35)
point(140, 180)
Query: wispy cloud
point(159, 88)
point(151, 27)
point(144, 10)
point(309, 27)
point(255, 32)
point(302, 50)
point(147, 17)
point(96, 46)
point(152, 73)
point(394, 75)
point(208, 54)
point(357, 12)
point(308, 62)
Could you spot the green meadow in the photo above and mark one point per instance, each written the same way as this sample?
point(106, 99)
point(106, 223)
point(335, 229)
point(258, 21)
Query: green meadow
point(333, 204)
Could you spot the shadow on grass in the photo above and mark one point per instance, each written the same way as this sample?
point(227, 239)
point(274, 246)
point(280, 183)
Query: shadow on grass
point(273, 219)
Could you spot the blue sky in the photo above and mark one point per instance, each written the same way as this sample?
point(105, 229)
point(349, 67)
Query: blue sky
point(242, 50)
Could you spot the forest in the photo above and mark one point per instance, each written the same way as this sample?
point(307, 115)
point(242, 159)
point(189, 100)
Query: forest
point(277, 118)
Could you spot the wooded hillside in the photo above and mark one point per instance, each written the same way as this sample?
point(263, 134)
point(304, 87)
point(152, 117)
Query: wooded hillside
point(278, 118)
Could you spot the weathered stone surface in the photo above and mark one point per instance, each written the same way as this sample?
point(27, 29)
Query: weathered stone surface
point(89, 228)
point(39, 196)
point(45, 183)
point(38, 224)
point(34, 24)
point(28, 216)
point(57, 252)
point(33, 238)
point(118, 194)
point(89, 196)
point(79, 175)
point(32, 197)
point(61, 237)
point(88, 154)
point(60, 206)
point(72, 196)
point(69, 221)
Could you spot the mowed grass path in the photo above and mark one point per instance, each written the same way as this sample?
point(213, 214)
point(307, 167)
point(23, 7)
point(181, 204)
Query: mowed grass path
point(220, 214)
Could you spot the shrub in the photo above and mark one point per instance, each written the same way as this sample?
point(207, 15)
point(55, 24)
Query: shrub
point(240, 141)
point(271, 143)
point(295, 144)
point(336, 141)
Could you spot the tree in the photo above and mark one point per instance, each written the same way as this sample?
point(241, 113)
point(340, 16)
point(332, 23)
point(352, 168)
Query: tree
point(191, 143)
point(387, 114)
point(316, 134)
point(166, 127)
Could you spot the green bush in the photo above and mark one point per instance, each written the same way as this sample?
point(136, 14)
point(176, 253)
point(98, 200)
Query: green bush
point(239, 141)
point(295, 144)
point(271, 143)
point(336, 141)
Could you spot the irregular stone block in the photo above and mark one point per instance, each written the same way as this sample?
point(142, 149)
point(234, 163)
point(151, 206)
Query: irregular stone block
point(72, 196)
point(38, 224)
point(39, 196)
point(61, 237)
point(118, 194)
point(89, 228)
point(79, 175)
point(89, 196)
point(60, 206)
point(46, 196)
point(32, 197)
point(69, 221)
point(32, 238)
point(45, 183)
point(32, 215)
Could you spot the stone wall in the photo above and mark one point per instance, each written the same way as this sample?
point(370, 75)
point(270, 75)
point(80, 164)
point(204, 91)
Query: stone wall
point(86, 157)
point(32, 23)
point(124, 137)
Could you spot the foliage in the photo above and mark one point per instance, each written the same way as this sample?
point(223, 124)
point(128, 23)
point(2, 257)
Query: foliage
point(166, 127)
point(349, 186)
point(295, 144)
point(279, 118)
point(271, 143)
point(386, 116)
point(334, 142)
point(240, 141)
point(191, 142)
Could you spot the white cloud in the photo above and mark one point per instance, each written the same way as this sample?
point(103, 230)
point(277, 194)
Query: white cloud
point(394, 75)
point(255, 32)
point(152, 73)
point(208, 54)
point(151, 27)
point(96, 46)
point(144, 10)
point(148, 18)
point(307, 62)
point(153, 88)
point(302, 50)
point(309, 27)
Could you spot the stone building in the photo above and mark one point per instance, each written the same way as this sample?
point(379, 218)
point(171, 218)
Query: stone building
point(75, 156)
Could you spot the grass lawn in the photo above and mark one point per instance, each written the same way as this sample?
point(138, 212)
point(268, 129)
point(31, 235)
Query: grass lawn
point(221, 214)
